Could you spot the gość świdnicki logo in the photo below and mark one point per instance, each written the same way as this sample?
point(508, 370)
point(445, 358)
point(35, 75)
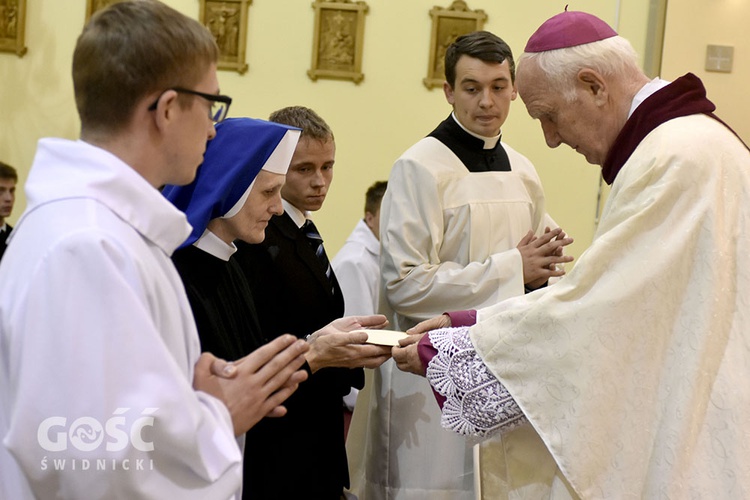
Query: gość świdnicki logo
point(88, 434)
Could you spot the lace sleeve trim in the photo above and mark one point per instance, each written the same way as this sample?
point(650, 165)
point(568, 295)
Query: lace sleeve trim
point(477, 404)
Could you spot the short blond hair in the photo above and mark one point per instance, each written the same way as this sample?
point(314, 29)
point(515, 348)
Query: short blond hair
point(312, 125)
point(131, 49)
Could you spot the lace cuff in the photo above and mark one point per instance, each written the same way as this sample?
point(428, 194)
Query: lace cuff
point(477, 404)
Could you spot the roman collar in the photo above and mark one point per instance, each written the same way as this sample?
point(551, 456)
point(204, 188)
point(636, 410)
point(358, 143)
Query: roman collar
point(469, 149)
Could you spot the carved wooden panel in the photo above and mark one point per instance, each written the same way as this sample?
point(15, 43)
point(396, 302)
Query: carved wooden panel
point(12, 25)
point(227, 21)
point(447, 25)
point(338, 40)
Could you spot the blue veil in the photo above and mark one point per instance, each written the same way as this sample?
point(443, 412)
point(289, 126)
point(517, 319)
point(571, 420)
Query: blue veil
point(242, 148)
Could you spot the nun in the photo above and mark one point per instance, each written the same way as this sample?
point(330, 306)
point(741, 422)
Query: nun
point(235, 193)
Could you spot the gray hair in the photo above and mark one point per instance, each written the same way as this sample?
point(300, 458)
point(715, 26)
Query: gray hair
point(611, 56)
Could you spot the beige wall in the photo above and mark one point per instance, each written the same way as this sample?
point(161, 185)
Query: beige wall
point(374, 121)
point(693, 24)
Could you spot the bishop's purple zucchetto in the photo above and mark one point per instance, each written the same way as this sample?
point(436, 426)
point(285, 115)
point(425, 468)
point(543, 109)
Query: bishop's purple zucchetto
point(568, 29)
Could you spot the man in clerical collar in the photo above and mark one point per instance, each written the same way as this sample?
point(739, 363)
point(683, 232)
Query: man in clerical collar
point(463, 221)
point(8, 180)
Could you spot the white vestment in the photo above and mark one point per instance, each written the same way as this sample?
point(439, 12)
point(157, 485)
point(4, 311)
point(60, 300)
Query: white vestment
point(634, 367)
point(357, 269)
point(98, 344)
point(449, 241)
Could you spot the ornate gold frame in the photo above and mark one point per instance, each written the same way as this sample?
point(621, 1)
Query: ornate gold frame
point(12, 26)
point(447, 25)
point(338, 40)
point(94, 5)
point(227, 21)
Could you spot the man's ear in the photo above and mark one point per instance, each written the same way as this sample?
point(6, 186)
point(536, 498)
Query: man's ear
point(448, 91)
point(593, 83)
point(166, 106)
point(369, 217)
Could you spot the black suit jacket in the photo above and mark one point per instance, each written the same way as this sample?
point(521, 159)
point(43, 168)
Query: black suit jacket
point(4, 239)
point(302, 454)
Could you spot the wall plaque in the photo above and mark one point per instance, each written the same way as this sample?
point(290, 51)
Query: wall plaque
point(12, 23)
point(227, 21)
point(447, 25)
point(338, 40)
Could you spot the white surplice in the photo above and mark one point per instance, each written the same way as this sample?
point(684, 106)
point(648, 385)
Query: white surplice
point(449, 241)
point(357, 268)
point(98, 344)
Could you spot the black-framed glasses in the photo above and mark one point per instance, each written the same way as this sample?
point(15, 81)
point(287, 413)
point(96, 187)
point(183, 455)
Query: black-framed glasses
point(219, 103)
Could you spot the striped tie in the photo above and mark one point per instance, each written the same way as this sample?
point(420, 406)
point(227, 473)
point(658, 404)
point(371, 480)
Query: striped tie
point(316, 242)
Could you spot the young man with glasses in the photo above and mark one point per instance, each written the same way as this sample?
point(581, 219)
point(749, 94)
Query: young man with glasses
point(219, 103)
point(91, 305)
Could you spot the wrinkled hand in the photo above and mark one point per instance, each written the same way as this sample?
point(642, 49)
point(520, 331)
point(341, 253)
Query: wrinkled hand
point(442, 321)
point(257, 383)
point(406, 355)
point(336, 345)
point(540, 256)
point(349, 323)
